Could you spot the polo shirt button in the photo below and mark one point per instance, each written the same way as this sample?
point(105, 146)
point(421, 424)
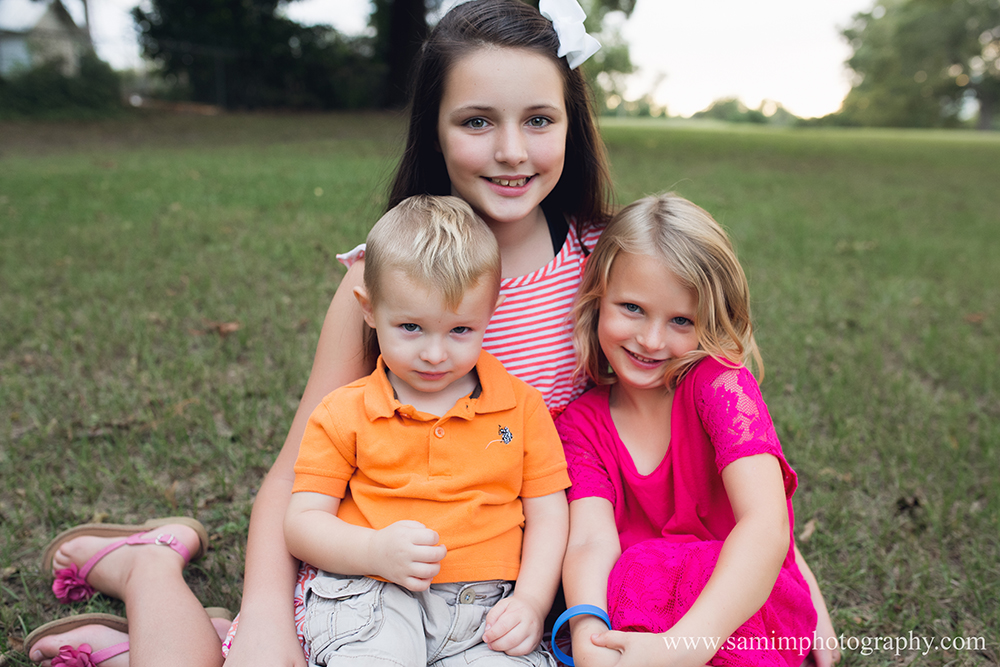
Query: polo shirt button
point(439, 432)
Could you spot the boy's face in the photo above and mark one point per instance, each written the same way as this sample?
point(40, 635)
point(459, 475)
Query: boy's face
point(423, 342)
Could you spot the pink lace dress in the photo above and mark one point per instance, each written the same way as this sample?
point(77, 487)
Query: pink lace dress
point(672, 522)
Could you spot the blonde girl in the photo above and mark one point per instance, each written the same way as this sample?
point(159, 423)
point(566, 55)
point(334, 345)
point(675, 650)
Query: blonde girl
point(680, 509)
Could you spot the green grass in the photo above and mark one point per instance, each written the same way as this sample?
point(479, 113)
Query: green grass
point(124, 244)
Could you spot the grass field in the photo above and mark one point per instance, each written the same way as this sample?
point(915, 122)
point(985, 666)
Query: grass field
point(163, 281)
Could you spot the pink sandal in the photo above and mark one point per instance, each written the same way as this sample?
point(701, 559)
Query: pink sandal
point(70, 584)
point(82, 655)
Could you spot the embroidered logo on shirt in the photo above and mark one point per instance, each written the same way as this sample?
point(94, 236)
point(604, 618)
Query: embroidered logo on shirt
point(505, 436)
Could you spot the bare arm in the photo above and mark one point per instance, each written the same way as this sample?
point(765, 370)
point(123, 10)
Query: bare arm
point(823, 655)
point(516, 622)
point(593, 550)
point(406, 553)
point(267, 632)
point(748, 566)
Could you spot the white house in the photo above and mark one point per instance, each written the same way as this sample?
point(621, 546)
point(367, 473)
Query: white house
point(32, 32)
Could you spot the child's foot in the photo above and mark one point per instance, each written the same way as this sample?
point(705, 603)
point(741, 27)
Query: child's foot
point(98, 637)
point(221, 626)
point(111, 573)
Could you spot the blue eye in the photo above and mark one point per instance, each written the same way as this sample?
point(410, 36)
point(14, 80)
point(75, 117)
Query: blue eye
point(682, 321)
point(632, 308)
point(539, 121)
point(410, 327)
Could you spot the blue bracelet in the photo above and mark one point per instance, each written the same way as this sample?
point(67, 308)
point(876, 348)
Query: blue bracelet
point(575, 610)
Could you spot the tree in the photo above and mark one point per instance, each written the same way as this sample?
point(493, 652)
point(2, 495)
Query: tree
point(918, 62)
point(242, 54)
point(401, 25)
point(400, 28)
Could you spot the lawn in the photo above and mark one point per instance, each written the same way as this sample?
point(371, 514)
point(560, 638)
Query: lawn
point(163, 280)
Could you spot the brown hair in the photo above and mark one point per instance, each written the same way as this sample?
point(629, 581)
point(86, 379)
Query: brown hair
point(584, 188)
point(698, 251)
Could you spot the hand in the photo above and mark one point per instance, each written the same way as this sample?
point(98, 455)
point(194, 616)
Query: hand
point(265, 649)
point(513, 626)
point(822, 656)
point(585, 652)
point(636, 649)
point(407, 553)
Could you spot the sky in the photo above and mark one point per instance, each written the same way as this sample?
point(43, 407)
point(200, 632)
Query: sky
point(688, 54)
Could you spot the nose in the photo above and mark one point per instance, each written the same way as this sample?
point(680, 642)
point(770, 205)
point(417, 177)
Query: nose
point(433, 352)
point(511, 146)
point(653, 336)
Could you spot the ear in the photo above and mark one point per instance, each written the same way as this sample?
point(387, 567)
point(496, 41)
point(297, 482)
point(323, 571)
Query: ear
point(361, 294)
point(500, 299)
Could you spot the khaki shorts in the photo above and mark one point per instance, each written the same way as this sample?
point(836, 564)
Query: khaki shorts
point(363, 621)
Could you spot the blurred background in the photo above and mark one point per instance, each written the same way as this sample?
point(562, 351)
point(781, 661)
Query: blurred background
point(886, 63)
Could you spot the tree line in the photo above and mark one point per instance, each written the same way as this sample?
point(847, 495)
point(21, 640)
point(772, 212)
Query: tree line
point(245, 54)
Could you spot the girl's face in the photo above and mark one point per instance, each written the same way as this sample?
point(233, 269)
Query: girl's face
point(502, 130)
point(646, 319)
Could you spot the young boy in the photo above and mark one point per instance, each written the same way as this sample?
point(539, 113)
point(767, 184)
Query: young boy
point(433, 488)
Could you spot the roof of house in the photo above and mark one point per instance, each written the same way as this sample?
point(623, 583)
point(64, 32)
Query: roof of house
point(22, 15)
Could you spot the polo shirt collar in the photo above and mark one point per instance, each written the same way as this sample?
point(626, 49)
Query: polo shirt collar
point(494, 394)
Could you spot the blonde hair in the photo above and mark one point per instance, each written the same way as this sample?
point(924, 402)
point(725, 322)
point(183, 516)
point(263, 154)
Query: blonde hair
point(698, 251)
point(436, 241)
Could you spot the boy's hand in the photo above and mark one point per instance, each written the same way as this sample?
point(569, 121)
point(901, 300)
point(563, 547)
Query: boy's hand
point(513, 626)
point(407, 553)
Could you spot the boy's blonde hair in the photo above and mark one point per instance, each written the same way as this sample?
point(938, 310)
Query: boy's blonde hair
point(698, 251)
point(436, 241)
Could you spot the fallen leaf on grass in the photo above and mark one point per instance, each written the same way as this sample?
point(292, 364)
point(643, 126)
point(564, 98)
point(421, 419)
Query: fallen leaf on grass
point(178, 409)
point(975, 318)
point(225, 328)
point(9, 572)
point(221, 328)
point(807, 531)
point(830, 472)
point(171, 494)
point(224, 430)
point(99, 517)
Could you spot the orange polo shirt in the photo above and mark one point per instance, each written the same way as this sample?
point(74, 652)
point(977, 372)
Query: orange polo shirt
point(462, 474)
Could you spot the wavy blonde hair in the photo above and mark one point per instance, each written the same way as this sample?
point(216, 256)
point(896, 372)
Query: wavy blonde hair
point(698, 251)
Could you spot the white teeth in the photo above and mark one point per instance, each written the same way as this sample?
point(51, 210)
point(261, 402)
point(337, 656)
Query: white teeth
point(506, 182)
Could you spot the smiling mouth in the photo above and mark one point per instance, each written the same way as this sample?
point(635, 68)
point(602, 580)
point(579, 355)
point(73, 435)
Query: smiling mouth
point(643, 359)
point(506, 182)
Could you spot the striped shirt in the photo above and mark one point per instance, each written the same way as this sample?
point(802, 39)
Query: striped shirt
point(531, 331)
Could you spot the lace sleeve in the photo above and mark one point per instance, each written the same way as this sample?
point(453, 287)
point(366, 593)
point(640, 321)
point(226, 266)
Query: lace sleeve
point(736, 419)
point(588, 473)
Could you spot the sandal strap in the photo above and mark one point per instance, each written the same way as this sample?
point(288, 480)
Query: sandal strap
point(162, 539)
point(107, 653)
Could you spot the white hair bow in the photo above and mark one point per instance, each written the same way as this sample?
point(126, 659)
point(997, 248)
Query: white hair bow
point(567, 18)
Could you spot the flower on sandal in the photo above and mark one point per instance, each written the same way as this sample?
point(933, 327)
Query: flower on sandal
point(74, 657)
point(69, 586)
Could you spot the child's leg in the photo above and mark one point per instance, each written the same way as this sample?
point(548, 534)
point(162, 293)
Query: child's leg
point(99, 637)
point(163, 614)
point(362, 620)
